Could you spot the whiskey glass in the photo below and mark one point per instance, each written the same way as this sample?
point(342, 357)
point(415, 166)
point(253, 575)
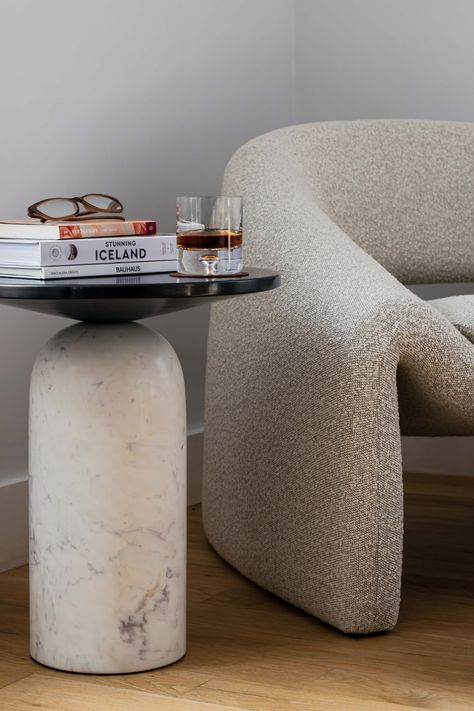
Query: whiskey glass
point(209, 235)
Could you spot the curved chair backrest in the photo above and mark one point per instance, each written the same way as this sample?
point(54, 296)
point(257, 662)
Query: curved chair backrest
point(402, 189)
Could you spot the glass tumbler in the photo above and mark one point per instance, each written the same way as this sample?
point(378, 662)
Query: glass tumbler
point(209, 235)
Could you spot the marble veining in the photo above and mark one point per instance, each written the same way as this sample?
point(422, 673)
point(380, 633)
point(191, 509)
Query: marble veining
point(107, 501)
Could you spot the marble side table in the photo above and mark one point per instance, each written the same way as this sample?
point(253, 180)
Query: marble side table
point(108, 471)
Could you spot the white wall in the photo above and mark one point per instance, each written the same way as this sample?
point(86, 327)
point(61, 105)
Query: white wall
point(384, 59)
point(390, 59)
point(145, 100)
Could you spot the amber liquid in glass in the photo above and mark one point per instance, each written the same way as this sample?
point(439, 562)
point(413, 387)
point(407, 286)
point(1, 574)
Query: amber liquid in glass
point(209, 239)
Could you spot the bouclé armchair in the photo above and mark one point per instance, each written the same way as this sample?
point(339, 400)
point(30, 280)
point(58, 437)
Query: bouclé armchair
point(309, 387)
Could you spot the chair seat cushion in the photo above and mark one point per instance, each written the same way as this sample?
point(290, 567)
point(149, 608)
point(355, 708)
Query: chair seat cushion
point(460, 311)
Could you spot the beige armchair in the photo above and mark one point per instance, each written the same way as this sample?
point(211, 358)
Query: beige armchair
point(308, 387)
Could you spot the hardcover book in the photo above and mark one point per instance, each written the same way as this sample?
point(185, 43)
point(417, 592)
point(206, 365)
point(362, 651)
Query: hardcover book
point(90, 270)
point(34, 229)
point(100, 250)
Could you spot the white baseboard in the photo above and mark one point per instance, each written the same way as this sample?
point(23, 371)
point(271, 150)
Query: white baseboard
point(13, 524)
point(14, 506)
point(438, 455)
point(195, 449)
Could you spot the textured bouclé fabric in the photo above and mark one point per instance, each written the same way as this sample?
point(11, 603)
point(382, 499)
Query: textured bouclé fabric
point(459, 310)
point(309, 386)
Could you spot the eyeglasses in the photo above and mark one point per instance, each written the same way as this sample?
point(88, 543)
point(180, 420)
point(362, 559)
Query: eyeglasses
point(77, 208)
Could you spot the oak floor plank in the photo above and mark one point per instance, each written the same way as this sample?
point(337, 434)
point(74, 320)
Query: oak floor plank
point(444, 485)
point(322, 697)
point(66, 694)
point(10, 672)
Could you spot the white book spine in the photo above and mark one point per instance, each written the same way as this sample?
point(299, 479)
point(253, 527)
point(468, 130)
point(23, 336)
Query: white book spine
point(91, 270)
point(107, 250)
point(168, 265)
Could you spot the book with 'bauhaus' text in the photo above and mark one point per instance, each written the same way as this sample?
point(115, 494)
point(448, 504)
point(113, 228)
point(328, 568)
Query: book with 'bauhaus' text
point(89, 270)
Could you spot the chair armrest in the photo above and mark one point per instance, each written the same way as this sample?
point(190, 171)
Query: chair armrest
point(357, 322)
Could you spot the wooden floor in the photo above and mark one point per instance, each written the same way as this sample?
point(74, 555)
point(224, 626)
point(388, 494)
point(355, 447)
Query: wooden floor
point(249, 650)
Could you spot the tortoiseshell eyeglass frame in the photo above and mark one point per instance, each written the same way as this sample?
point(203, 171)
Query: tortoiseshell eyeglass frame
point(83, 208)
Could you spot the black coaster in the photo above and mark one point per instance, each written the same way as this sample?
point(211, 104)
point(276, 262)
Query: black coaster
point(203, 276)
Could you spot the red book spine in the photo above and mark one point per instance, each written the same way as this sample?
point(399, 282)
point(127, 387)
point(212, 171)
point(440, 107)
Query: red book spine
point(87, 230)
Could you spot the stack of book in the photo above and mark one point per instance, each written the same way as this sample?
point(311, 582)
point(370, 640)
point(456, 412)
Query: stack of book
point(35, 250)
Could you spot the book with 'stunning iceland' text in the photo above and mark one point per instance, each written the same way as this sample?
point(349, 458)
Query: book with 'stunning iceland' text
point(34, 229)
point(100, 250)
point(90, 270)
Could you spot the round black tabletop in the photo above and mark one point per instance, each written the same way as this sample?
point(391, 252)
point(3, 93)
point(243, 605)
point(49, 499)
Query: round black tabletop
point(128, 298)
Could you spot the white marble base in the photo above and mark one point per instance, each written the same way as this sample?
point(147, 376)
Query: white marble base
point(107, 501)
